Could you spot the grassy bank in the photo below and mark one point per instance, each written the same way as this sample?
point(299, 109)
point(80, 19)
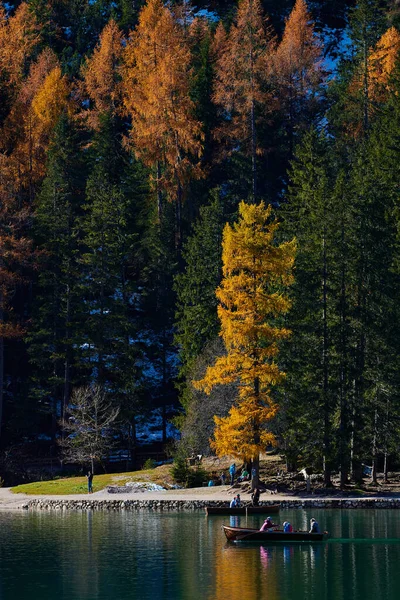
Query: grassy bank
point(78, 485)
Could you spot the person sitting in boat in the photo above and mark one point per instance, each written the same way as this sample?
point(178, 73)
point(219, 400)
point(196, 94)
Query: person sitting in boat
point(287, 527)
point(255, 497)
point(267, 525)
point(314, 527)
point(235, 502)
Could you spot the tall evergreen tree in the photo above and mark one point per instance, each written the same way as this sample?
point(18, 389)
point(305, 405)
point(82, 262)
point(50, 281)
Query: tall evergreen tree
point(54, 339)
point(196, 314)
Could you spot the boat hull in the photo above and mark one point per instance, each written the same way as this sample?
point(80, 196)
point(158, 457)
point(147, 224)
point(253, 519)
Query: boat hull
point(249, 510)
point(242, 534)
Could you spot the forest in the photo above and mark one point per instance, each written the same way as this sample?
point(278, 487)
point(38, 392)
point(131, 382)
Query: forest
point(131, 134)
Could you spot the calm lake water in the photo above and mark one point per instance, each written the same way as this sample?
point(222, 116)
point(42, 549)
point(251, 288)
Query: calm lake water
point(90, 556)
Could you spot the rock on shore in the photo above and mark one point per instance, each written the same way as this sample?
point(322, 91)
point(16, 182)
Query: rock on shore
point(142, 504)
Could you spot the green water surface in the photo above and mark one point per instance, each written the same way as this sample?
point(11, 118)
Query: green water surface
point(170, 555)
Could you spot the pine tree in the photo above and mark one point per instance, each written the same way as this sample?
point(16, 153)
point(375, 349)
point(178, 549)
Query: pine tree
point(196, 313)
point(113, 227)
point(54, 337)
point(255, 275)
point(310, 213)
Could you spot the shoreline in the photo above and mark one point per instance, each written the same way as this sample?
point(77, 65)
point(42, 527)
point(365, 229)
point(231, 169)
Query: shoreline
point(186, 499)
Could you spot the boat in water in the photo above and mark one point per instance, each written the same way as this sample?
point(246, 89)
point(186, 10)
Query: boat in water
point(242, 510)
point(246, 534)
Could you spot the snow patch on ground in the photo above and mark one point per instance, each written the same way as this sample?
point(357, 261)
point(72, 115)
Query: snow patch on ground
point(144, 486)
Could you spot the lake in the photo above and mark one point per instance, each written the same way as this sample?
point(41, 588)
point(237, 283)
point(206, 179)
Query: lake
point(184, 555)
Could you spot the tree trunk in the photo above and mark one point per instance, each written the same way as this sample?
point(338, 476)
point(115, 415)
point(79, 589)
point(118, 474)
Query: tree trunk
point(255, 472)
point(178, 233)
point(253, 152)
point(66, 392)
point(159, 193)
point(343, 391)
point(374, 450)
point(385, 464)
point(1, 376)
point(327, 429)
point(164, 387)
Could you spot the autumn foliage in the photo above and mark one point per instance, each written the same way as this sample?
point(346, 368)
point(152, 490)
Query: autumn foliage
point(251, 295)
point(164, 134)
point(382, 61)
point(101, 74)
point(243, 73)
point(298, 67)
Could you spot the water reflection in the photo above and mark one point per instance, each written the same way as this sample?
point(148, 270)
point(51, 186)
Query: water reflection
point(163, 556)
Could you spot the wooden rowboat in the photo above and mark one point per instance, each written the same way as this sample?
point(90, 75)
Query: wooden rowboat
point(245, 534)
point(251, 510)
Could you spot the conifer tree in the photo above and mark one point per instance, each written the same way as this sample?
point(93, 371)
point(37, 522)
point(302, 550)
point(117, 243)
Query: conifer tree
point(196, 312)
point(164, 134)
point(19, 35)
point(114, 227)
point(311, 212)
point(298, 72)
point(101, 77)
point(242, 89)
point(57, 318)
point(252, 299)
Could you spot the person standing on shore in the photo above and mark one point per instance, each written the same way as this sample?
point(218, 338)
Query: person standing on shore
point(90, 482)
point(232, 471)
point(255, 497)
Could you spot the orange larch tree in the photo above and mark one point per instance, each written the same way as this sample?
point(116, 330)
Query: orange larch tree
point(101, 75)
point(255, 274)
point(26, 133)
point(242, 82)
point(156, 81)
point(298, 69)
point(19, 34)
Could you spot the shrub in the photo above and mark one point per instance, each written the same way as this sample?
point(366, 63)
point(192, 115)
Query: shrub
point(149, 463)
point(185, 475)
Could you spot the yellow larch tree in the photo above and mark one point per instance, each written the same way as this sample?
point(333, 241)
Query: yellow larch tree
point(156, 82)
point(370, 83)
point(50, 101)
point(101, 75)
point(26, 133)
point(242, 89)
point(382, 61)
point(252, 298)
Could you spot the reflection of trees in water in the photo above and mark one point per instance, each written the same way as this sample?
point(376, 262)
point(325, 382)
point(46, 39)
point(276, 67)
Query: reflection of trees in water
point(275, 571)
point(237, 574)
